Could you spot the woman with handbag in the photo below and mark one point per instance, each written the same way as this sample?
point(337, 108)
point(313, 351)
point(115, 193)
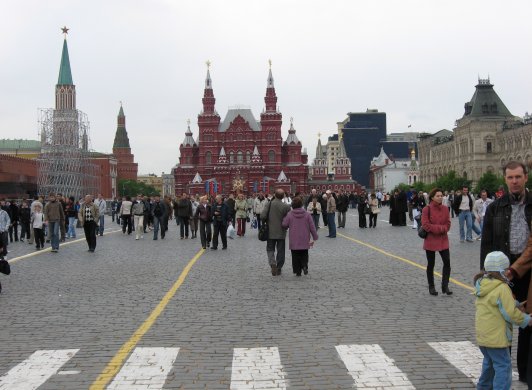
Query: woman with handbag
point(436, 222)
point(373, 211)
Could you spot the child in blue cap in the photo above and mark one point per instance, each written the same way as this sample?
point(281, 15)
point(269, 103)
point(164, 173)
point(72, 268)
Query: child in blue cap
point(496, 313)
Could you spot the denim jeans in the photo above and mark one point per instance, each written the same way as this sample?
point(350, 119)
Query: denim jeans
point(496, 369)
point(101, 227)
point(331, 223)
point(467, 217)
point(53, 226)
point(72, 221)
point(156, 224)
point(316, 218)
point(183, 226)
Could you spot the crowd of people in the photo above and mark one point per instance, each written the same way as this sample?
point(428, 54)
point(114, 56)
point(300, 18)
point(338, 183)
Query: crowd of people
point(502, 223)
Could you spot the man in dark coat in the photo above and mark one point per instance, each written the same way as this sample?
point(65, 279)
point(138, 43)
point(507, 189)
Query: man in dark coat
point(184, 212)
point(273, 213)
point(220, 220)
point(506, 228)
point(342, 203)
point(159, 212)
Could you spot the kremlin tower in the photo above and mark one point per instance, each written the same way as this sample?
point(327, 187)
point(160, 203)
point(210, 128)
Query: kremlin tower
point(126, 167)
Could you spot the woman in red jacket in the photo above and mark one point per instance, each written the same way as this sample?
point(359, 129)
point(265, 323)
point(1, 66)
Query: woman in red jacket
point(435, 220)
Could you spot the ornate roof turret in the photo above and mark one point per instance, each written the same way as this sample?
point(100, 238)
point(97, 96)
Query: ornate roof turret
point(270, 77)
point(341, 147)
point(413, 162)
point(282, 177)
point(208, 81)
point(292, 137)
point(271, 98)
point(485, 101)
point(319, 148)
point(121, 138)
point(189, 140)
point(381, 160)
point(208, 94)
point(255, 157)
point(222, 159)
point(197, 178)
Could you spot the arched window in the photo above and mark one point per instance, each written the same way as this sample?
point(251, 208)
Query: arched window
point(271, 156)
point(208, 158)
point(248, 156)
point(231, 157)
point(240, 157)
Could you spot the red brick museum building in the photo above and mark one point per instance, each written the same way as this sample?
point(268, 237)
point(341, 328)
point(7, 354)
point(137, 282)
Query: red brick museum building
point(240, 153)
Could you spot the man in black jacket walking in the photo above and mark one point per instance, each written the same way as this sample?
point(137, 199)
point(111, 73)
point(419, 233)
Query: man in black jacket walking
point(506, 228)
point(342, 203)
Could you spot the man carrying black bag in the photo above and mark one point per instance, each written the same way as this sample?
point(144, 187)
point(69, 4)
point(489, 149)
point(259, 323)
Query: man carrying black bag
point(273, 215)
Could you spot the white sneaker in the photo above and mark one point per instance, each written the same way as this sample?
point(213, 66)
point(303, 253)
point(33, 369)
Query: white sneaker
point(136, 238)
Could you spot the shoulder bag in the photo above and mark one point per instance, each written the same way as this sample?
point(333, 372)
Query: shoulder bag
point(5, 268)
point(422, 233)
point(264, 228)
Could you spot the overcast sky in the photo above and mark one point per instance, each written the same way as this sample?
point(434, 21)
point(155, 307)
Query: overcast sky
point(416, 60)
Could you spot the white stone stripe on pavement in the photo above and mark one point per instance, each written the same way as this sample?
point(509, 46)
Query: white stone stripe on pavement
point(371, 368)
point(146, 368)
point(35, 370)
point(465, 356)
point(257, 368)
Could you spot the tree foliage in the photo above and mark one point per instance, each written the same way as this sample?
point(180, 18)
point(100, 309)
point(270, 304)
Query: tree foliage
point(451, 181)
point(133, 188)
point(489, 182)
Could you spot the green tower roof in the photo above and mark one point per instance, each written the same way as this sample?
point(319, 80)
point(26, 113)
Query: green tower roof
point(121, 138)
point(485, 102)
point(65, 75)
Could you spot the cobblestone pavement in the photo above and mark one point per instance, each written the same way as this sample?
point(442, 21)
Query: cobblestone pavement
point(361, 318)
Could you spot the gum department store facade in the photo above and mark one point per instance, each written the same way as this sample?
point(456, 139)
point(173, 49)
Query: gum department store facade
point(484, 139)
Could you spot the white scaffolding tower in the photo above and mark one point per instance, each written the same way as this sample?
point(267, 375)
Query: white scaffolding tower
point(64, 164)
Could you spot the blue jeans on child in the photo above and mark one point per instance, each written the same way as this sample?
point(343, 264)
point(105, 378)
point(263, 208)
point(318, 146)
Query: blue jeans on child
point(496, 369)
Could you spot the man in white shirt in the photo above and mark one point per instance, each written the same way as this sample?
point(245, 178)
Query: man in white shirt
point(479, 209)
point(102, 206)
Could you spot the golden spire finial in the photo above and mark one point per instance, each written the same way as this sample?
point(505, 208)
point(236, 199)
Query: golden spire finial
point(319, 134)
point(188, 122)
point(270, 62)
point(291, 121)
point(208, 63)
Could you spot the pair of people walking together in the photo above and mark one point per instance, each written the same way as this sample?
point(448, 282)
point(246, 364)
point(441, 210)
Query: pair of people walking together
point(302, 229)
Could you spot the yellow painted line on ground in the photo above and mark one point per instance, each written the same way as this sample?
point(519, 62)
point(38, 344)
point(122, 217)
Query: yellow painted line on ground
point(407, 261)
point(117, 361)
point(49, 249)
